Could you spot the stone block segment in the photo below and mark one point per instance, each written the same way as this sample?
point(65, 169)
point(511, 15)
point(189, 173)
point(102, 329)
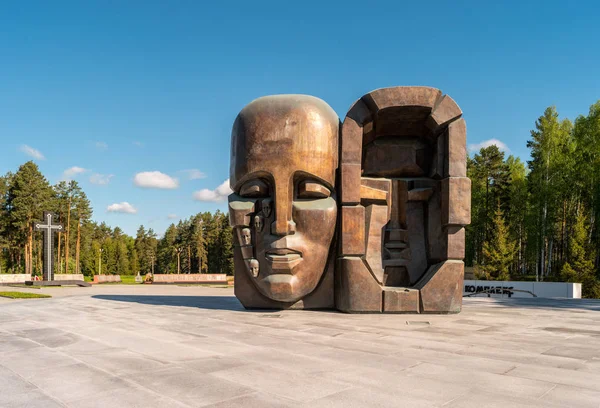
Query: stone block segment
point(456, 201)
point(356, 290)
point(456, 159)
point(350, 183)
point(352, 238)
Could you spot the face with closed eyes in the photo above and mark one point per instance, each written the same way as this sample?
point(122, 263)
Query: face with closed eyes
point(284, 157)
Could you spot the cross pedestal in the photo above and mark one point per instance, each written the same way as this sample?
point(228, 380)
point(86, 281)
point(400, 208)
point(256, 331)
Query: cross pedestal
point(48, 228)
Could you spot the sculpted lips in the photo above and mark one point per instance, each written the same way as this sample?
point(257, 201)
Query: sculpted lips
point(283, 259)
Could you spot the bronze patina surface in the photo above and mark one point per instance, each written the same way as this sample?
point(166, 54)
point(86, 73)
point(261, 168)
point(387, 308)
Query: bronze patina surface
point(284, 155)
point(397, 225)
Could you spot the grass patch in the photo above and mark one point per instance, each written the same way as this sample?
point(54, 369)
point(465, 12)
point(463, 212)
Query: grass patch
point(19, 285)
point(125, 280)
point(129, 279)
point(23, 295)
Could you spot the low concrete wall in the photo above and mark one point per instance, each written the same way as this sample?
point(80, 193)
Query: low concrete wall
point(107, 278)
point(14, 277)
point(70, 276)
point(521, 289)
point(191, 278)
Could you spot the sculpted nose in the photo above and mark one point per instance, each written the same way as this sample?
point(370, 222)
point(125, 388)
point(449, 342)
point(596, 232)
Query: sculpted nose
point(283, 223)
point(283, 228)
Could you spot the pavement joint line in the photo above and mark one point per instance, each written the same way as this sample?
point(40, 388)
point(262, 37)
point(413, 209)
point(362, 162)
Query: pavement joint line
point(509, 370)
point(36, 387)
point(544, 394)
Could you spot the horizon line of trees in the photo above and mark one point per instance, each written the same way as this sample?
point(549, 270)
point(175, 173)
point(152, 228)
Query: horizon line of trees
point(201, 243)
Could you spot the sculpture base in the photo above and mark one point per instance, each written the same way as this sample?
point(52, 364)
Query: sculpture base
point(439, 291)
point(59, 283)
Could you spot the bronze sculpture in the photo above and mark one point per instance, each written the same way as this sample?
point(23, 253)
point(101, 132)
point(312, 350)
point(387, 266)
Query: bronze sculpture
point(403, 202)
point(283, 166)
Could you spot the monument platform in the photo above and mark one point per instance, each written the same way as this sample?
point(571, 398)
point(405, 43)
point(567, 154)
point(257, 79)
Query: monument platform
point(182, 346)
point(58, 283)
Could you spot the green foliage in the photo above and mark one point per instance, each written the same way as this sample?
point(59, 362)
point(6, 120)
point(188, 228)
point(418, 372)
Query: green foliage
point(498, 250)
point(549, 210)
point(84, 246)
point(23, 295)
point(579, 267)
point(489, 175)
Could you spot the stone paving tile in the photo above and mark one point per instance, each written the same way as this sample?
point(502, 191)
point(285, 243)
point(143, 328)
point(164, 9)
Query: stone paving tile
point(567, 396)
point(458, 361)
point(492, 383)
point(50, 337)
point(365, 359)
point(13, 382)
point(557, 375)
point(282, 383)
point(121, 362)
point(287, 359)
point(583, 353)
point(190, 387)
point(400, 385)
point(593, 366)
point(211, 364)
point(86, 346)
point(479, 399)
point(363, 397)
point(516, 356)
point(29, 399)
point(28, 362)
point(222, 346)
point(132, 397)
point(73, 382)
point(256, 400)
point(10, 343)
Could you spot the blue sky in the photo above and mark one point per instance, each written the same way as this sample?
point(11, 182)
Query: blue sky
point(113, 89)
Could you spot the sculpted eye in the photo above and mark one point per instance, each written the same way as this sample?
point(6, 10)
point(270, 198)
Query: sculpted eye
point(312, 189)
point(255, 188)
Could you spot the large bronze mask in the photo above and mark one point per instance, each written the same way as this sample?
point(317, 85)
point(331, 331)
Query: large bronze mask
point(283, 210)
point(403, 202)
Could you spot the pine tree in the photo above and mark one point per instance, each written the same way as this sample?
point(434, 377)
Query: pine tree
point(490, 180)
point(28, 196)
point(83, 213)
point(548, 144)
point(579, 267)
point(498, 251)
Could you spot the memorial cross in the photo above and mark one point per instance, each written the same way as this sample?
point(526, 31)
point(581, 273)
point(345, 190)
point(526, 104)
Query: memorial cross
point(48, 228)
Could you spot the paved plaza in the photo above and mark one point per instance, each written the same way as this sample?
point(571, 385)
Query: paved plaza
point(185, 346)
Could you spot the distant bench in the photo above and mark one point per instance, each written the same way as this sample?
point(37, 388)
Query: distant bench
point(107, 278)
point(215, 278)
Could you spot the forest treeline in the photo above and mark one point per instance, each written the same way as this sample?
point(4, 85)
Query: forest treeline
point(539, 220)
point(533, 220)
point(201, 243)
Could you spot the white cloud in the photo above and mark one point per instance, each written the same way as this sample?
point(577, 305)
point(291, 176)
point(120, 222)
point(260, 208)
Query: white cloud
point(193, 174)
point(101, 179)
point(155, 179)
point(123, 207)
point(71, 172)
point(30, 151)
point(172, 216)
point(101, 146)
point(218, 194)
point(476, 147)
point(138, 143)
